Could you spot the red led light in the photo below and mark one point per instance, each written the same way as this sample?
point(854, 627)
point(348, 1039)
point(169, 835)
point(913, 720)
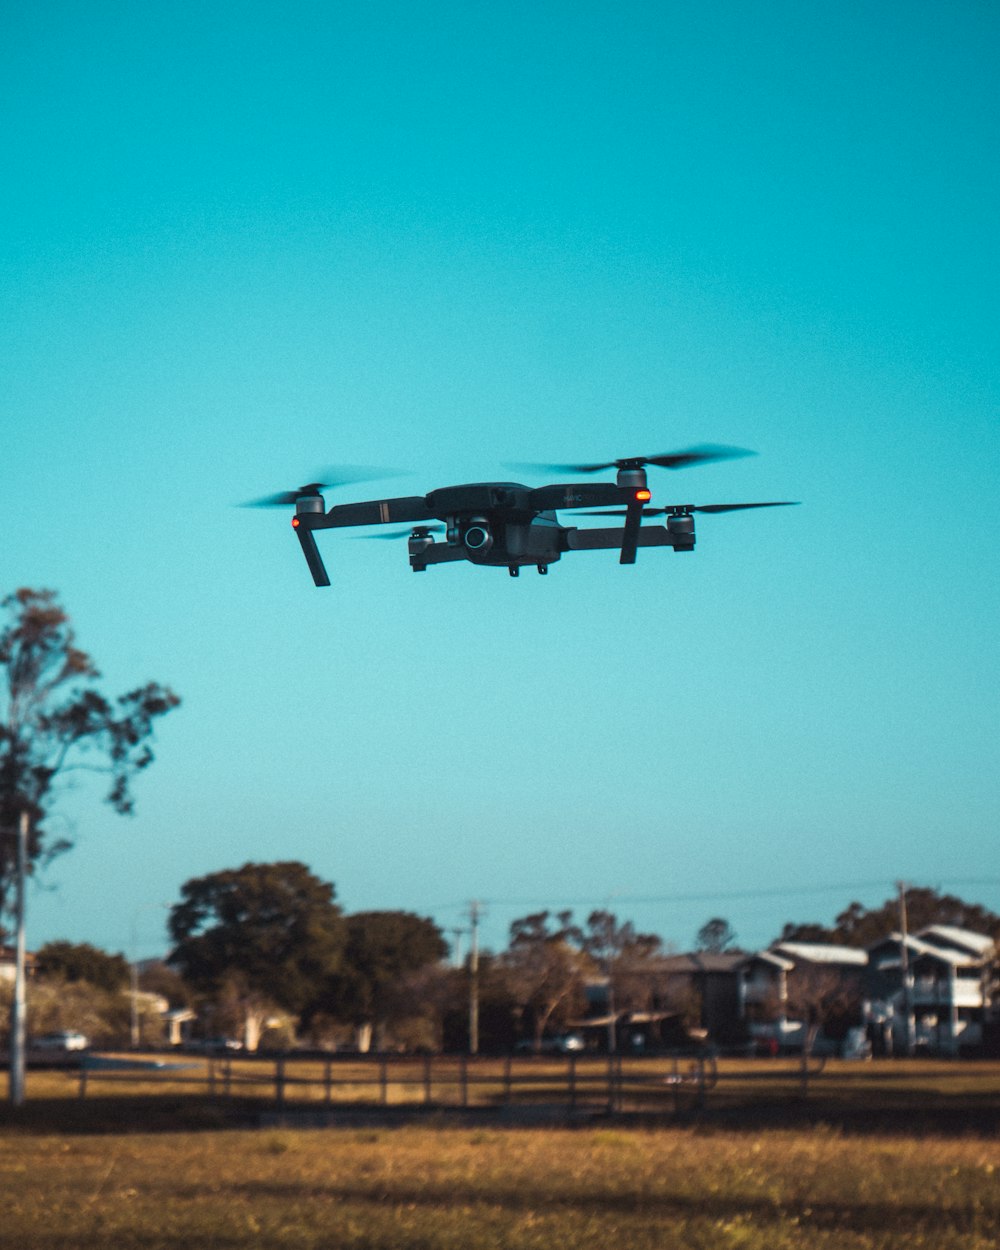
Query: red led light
point(644, 495)
point(295, 522)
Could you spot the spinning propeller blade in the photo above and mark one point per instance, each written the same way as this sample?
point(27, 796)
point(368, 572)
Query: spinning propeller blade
point(666, 460)
point(707, 507)
point(340, 475)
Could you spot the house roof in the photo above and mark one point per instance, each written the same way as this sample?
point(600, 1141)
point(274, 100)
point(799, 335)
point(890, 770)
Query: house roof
point(769, 957)
point(964, 939)
point(700, 961)
point(823, 953)
point(892, 943)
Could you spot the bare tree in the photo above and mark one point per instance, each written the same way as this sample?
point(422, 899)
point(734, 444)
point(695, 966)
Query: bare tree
point(822, 996)
point(546, 968)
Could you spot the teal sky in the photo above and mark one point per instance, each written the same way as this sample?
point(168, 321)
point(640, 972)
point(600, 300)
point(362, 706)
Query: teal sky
point(241, 242)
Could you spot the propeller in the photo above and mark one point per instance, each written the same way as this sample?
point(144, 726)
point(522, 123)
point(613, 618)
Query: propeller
point(682, 509)
point(340, 475)
point(666, 460)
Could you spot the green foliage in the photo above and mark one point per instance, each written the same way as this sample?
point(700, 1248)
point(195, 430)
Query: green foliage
point(861, 927)
point(384, 950)
point(274, 928)
point(103, 1015)
point(53, 717)
point(82, 962)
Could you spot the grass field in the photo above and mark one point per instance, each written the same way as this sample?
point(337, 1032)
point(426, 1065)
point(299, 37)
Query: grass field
point(70, 1178)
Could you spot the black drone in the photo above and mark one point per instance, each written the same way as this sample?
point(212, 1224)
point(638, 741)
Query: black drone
point(507, 525)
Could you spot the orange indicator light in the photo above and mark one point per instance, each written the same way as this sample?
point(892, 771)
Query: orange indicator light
point(644, 495)
point(295, 522)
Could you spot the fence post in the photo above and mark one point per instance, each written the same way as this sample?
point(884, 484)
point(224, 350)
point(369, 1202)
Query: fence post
point(328, 1081)
point(572, 1081)
point(279, 1082)
point(463, 1076)
point(427, 1078)
point(506, 1081)
point(384, 1079)
point(83, 1077)
point(227, 1077)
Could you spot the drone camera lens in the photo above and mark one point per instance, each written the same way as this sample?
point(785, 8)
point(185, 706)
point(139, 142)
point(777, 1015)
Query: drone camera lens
point(477, 537)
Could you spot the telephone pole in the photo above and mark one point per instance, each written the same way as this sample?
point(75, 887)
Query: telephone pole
point(474, 914)
point(19, 1012)
point(904, 967)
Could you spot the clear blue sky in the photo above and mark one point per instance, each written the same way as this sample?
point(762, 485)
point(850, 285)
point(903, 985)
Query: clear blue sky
point(242, 242)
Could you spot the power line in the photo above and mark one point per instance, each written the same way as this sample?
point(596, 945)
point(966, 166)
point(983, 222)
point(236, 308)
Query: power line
point(709, 896)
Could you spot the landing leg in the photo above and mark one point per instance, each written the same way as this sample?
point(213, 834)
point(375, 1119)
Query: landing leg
point(513, 570)
point(543, 569)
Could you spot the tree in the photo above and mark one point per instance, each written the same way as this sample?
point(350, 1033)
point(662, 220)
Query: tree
point(546, 968)
point(53, 718)
point(82, 962)
point(715, 936)
point(861, 927)
point(624, 956)
point(263, 936)
point(383, 951)
point(821, 997)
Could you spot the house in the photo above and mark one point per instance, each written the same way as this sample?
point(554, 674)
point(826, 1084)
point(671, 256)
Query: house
point(706, 985)
point(8, 964)
point(934, 992)
point(795, 987)
point(666, 1002)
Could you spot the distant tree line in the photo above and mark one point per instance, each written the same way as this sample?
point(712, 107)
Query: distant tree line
point(265, 954)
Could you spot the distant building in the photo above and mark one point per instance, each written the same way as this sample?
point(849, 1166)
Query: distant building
point(8, 964)
point(775, 984)
point(939, 998)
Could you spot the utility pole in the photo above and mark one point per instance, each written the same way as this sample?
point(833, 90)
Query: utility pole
point(18, 1015)
point(474, 979)
point(904, 965)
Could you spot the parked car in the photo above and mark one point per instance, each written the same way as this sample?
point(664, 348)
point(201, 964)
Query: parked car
point(62, 1039)
point(213, 1045)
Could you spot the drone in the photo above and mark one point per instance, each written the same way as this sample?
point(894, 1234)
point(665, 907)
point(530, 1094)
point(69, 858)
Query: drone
point(507, 525)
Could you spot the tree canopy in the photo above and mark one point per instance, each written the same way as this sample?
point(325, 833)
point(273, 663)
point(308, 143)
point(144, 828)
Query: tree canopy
point(275, 928)
point(546, 966)
point(715, 936)
point(53, 718)
point(82, 962)
point(862, 926)
point(383, 949)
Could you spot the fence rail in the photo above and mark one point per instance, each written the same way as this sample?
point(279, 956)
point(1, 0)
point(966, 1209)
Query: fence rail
point(576, 1083)
point(557, 1086)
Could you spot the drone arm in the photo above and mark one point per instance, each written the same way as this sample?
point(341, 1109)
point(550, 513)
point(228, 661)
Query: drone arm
point(435, 553)
point(630, 533)
point(303, 530)
point(596, 539)
point(376, 512)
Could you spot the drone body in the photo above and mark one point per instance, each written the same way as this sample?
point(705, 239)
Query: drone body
point(508, 525)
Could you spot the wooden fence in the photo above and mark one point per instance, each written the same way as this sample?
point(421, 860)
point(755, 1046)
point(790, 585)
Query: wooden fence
point(574, 1083)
